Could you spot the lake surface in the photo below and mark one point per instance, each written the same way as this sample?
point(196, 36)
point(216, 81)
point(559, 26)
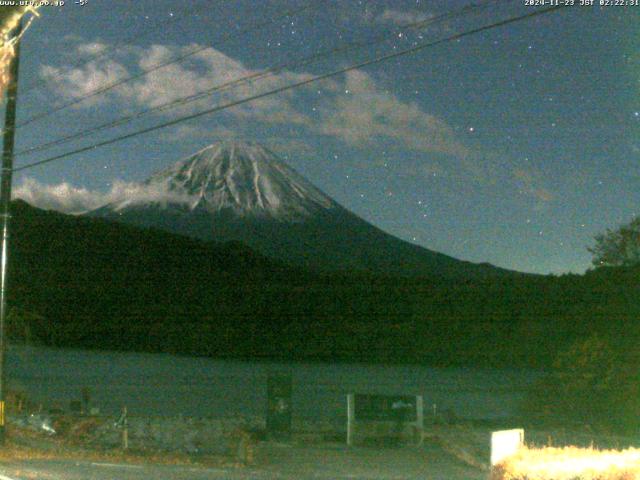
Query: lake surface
point(159, 384)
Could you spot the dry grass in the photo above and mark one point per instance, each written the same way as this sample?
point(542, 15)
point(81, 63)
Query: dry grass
point(23, 444)
point(468, 444)
point(570, 463)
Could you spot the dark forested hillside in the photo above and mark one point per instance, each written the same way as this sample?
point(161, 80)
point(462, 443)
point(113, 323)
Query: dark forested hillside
point(85, 282)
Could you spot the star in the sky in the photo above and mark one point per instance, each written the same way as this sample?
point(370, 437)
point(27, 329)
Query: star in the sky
point(452, 97)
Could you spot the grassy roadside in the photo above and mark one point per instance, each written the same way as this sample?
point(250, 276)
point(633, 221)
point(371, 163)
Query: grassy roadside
point(471, 444)
point(25, 444)
point(570, 463)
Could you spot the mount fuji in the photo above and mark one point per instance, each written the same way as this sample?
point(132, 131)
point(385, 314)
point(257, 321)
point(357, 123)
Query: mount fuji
point(234, 191)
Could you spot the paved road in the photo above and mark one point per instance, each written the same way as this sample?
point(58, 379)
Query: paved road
point(279, 463)
point(63, 470)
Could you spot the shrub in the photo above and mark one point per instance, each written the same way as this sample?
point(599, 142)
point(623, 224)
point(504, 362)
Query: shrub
point(592, 384)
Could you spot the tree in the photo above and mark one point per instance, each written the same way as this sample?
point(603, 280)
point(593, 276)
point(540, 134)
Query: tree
point(618, 248)
point(595, 382)
point(21, 325)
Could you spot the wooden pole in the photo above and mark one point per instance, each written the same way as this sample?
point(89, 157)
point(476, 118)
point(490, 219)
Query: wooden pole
point(5, 204)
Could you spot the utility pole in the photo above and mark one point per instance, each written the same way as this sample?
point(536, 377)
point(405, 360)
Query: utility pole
point(5, 204)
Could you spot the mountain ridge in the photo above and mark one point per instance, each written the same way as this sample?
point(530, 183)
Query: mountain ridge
point(237, 191)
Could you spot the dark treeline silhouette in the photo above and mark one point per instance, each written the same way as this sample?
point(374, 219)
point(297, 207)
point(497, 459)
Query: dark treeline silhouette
point(88, 283)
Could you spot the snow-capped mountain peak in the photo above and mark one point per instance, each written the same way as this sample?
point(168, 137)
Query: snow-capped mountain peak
point(242, 192)
point(242, 178)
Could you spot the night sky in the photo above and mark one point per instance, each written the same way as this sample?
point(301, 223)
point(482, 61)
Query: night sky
point(514, 146)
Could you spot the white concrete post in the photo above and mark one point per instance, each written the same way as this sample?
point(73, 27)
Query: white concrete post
point(350, 418)
point(505, 443)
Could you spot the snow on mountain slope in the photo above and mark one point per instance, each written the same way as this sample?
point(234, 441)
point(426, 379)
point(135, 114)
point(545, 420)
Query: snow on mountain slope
point(242, 192)
point(243, 178)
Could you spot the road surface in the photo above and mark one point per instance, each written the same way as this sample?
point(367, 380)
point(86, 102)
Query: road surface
point(281, 462)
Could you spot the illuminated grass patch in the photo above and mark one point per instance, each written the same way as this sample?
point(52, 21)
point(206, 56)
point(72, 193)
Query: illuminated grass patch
point(569, 463)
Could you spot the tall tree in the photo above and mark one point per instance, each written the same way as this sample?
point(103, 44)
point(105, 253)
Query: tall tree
point(620, 247)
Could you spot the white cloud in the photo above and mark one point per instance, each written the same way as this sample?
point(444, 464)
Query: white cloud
point(402, 17)
point(67, 198)
point(204, 70)
point(361, 118)
point(92, 48)
point(355, 109)
point(76, 83)
point(365, 113)
point(63, 197)
point(128, 193)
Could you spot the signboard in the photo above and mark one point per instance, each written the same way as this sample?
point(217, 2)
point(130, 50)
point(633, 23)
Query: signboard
point(393, 408)
point(403, 410)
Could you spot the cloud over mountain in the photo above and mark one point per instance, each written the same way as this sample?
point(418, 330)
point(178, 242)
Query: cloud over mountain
point(355, 108)
point(67, 198)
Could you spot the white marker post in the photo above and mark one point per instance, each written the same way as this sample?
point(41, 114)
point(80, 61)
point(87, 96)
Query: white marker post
point(350, 417)
point(419, 419)
point(505, 443)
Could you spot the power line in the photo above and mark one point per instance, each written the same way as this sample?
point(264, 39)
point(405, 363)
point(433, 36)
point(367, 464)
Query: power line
point(158, 66)
point(317, 78)
point(255, 76)
point(289, 87)
point(109, 54)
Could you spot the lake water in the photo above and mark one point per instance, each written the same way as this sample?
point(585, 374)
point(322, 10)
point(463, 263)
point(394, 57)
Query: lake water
point(158, 384)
